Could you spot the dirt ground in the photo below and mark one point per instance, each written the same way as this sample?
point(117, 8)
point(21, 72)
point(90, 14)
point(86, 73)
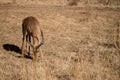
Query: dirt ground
point(79, 43)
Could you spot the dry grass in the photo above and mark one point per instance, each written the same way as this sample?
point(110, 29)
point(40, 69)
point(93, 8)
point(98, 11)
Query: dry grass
point(81, 3)
point(79, 44)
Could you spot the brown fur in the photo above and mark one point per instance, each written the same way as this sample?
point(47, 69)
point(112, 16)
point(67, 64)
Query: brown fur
point(31, 30)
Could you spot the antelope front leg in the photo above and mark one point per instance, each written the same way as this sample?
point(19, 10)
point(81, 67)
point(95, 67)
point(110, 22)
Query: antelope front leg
point(29, 46)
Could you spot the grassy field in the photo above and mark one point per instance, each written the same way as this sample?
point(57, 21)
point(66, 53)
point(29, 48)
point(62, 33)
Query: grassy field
point(100, 3)
point(79, 43)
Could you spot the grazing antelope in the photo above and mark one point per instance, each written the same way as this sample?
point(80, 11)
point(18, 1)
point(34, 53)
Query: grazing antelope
point(31, 30)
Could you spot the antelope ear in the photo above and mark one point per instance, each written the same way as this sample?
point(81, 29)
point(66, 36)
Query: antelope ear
point(40, 44)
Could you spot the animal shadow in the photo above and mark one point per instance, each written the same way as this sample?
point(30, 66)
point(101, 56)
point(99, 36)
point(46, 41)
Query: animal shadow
point(11, 47)
point(14, 48)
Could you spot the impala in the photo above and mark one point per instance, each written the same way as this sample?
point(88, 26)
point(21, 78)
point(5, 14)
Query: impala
point(31, 32)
